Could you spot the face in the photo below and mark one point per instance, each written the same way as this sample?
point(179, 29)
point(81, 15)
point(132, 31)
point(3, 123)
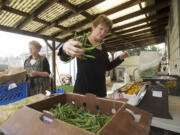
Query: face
point(100, 31)
point(33, 50)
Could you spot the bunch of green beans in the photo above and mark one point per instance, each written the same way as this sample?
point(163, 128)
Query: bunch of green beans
point(79, 117)
point(85, 46)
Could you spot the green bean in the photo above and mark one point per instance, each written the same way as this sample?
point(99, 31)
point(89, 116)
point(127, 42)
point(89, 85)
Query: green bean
point(86, 47)
point(89, 56)
point(79, 117)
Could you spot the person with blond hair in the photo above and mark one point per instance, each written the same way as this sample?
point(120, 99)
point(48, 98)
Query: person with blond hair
point(38, 70)
point(91, 72)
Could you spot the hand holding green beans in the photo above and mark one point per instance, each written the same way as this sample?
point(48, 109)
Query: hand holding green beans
point(78, 46)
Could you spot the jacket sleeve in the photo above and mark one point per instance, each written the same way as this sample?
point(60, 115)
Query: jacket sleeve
point(46, 67)
point(112, 64)
point(62, 55)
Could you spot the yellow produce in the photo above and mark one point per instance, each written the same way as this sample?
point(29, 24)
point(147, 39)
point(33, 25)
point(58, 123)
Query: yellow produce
point(134, 89)
point(126, 87)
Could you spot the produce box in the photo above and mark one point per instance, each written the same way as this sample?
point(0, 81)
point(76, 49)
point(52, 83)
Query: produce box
point(13, 75)
point(121, 123)
point(134, 93)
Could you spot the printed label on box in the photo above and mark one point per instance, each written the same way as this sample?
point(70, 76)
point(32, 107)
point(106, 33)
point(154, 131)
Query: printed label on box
point(157, 94)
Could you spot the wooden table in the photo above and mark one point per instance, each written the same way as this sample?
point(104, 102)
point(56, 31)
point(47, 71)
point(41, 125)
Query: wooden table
point(170, 124)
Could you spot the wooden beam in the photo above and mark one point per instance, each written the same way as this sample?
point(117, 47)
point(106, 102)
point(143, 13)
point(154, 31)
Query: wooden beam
point(152, 25)
point(108, 12)
point(34, 15)
point(71, 14)
point(28, 16)
point(70, 6)
point(137, 41)
point(118, 39)
point(142, 44)
point(140, 34)
point(114, 44)
point(83, 7)
point(3, 3)
point(22, 32)
point(15, 11)
point(76, 10)
point(154, 29)
point(54, 66)
point(151, 18)
point(48, 45)
point(148, 9)
point(123, 6)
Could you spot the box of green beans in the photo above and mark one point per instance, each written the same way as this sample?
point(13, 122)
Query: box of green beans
point(75, 114)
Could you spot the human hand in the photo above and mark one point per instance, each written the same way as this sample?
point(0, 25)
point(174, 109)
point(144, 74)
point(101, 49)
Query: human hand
point(124, 55)
point(33, 73)
point(71, 48)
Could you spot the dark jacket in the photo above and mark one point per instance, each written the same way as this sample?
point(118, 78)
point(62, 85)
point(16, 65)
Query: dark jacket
point(91, 72)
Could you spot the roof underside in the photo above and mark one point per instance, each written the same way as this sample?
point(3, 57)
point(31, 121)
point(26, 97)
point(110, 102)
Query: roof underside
point(136, 23)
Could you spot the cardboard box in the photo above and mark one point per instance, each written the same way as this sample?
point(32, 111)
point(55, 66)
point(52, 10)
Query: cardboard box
point(27, 121)
point(14, 75)
point(133, 99)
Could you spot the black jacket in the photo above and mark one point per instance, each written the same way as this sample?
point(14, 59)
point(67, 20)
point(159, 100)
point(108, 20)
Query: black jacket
point(91, 72)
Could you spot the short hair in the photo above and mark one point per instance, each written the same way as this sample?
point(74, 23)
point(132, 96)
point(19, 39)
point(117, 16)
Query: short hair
point(36, 44)
point(103, 19)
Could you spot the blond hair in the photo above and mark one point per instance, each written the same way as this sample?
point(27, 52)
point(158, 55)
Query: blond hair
point(103, 19)
point(36, 44)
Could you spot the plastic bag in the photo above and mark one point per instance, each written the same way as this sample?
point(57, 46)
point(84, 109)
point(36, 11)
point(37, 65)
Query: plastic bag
point(148, 64)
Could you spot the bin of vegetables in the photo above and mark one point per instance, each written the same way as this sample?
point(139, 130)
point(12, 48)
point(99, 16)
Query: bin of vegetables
point(75, 114)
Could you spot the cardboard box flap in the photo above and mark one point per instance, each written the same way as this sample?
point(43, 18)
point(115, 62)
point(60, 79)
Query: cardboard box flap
point(26, 121)
point(124, 123)
point(13, 75)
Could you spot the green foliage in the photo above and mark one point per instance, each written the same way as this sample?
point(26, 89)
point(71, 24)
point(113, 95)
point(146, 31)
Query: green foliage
point(150, 72)
point(67, 88)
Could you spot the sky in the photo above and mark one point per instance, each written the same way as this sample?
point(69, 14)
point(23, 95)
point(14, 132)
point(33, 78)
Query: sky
point(15, 44)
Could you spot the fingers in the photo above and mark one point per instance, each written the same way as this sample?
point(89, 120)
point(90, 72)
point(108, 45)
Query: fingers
point(124, 55)
point(32, 73)
point(73, 48)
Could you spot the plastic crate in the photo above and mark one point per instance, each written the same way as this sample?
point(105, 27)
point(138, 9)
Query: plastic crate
point(14, 94)
point(60, 90)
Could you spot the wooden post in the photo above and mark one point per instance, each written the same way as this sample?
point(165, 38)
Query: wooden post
point(53, 80)
point(54, 66)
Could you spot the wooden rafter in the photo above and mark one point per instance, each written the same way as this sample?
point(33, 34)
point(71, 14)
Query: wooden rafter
point(137, 37)
point(34, 15)
point(22, 32)
point(149, 19)
point(151, 25)
point(143, 43)
point(131, 15)
point(108, 12)
point(114, 44)
point(72, 14)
